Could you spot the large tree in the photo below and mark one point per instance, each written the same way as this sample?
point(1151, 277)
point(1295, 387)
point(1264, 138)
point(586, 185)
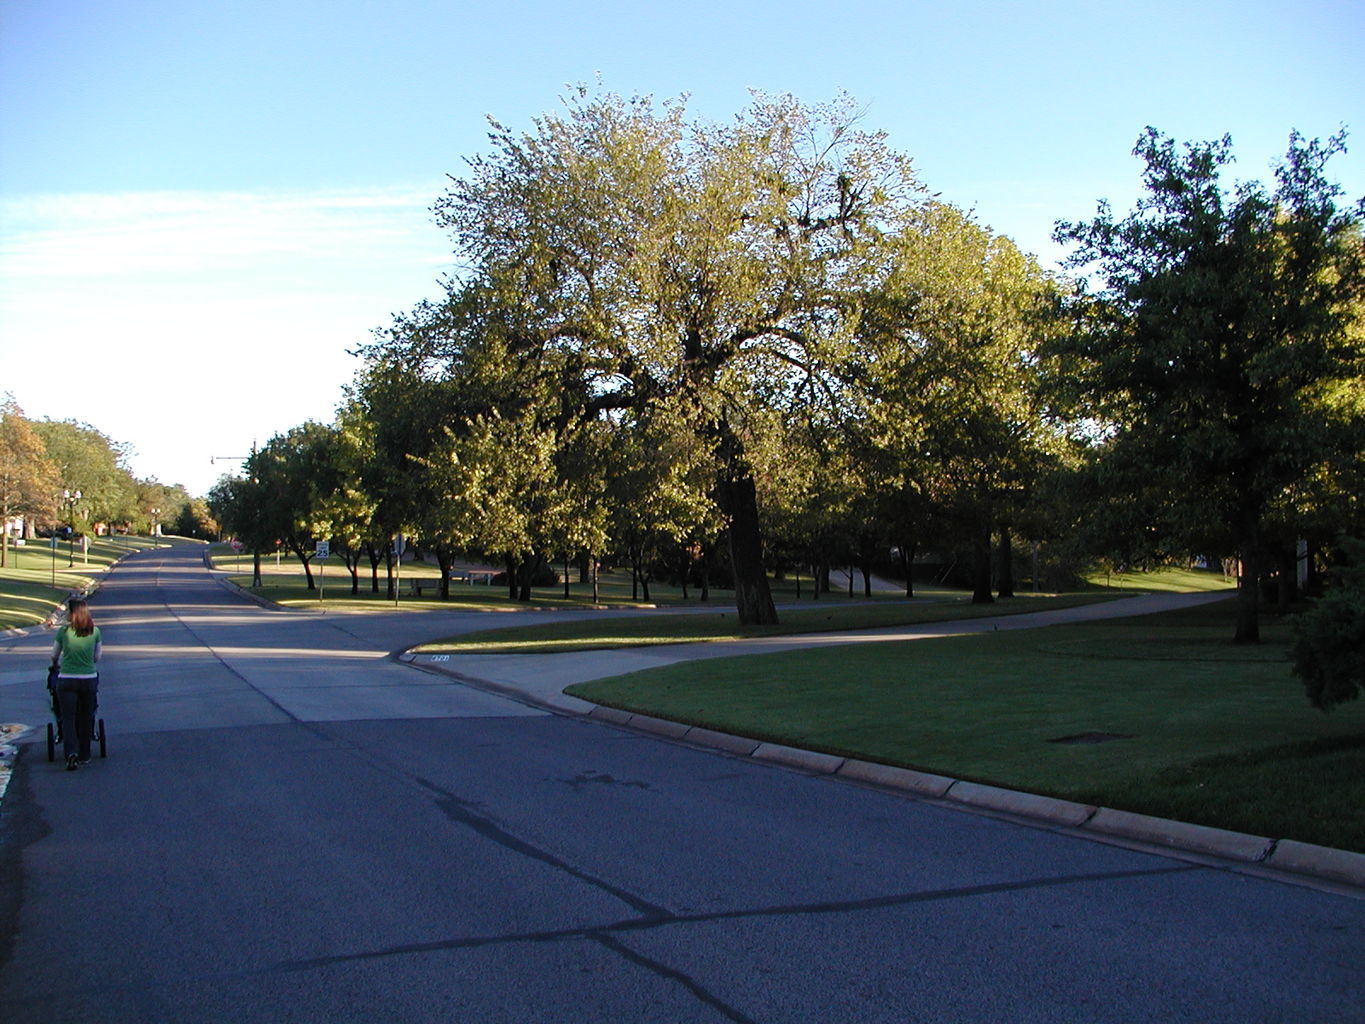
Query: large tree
point(29, 482)
point(657, 481)
point(298, 483)
point(90, 462)
point(948, 374)
point(241, 505)
point(657, 257)
point(1219, 357)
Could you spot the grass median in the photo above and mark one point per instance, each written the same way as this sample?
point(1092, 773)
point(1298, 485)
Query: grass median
point(1156, 714)
point(39, 577)
point(832, 612)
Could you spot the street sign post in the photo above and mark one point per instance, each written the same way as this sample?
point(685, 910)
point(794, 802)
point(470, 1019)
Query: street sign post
point(321, 551)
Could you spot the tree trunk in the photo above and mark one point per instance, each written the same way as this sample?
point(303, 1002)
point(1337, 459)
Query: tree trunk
point(1287, 570)
point(981, 565)
point(907, 553)
point(372, 551)
point(443, 559)
point(1312, 577)
point(1006, 563)
point(352, 559)
point(753, 597)
point(820, 579)
point(307, 567)
point(1249, 596)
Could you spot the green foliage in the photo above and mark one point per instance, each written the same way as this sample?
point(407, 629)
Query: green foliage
point(1329, 638)
point(28, 478)
point(195, 519)
point(90, 462)
point(639, 257)
point(1219, 360)
point(658, 477)
point(950, 403)
point(664, 330)
point(239, 506)
point(44, 465)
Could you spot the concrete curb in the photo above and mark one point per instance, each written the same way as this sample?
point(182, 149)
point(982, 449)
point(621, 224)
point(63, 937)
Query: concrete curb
point(794, 757)
point(10, 735)
point(1319, 861)
point(1285, 856)
point(1286, 859)
point(220, 577)
point(1026, 805)
point(1179, 835)
point(919, 783)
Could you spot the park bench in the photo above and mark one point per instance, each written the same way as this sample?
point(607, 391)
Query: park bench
point(432, 584)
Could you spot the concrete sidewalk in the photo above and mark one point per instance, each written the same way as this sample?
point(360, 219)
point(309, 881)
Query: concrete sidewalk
point(540, 679)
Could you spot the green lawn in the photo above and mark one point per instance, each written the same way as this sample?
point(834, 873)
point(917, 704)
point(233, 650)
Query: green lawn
point(38, 578)
point(283, 582)
point(1211, 733)
point(707, 624)
point(831, 612)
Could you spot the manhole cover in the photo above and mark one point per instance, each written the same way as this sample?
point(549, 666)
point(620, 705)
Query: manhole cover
point(1092, 737)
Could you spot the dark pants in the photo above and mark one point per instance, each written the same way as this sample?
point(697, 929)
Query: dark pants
point(76, 697)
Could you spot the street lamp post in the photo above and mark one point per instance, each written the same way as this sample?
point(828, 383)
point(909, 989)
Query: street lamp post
point(255, 552)
point(71, 498)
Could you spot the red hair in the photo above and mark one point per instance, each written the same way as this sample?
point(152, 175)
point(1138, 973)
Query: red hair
point(78, 615)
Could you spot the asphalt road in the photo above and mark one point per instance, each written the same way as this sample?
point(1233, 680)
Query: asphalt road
point(290, 826)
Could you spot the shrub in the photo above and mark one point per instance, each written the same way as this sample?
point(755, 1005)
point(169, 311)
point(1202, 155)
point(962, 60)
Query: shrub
point(1329, 638)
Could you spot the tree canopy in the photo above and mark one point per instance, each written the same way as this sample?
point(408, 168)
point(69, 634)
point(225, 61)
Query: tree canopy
point(762, 345)
point(44, 464)
point(1222, 358)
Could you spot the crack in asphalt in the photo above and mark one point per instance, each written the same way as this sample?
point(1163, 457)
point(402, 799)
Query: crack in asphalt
point(652, 916)
point(462, 812)
point(665, 919)
point(670, 974)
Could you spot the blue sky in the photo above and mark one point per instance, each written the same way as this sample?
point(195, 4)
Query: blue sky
point(203, 206)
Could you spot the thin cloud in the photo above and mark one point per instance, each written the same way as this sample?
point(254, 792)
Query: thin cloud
point(235, 310)
point(178, 233)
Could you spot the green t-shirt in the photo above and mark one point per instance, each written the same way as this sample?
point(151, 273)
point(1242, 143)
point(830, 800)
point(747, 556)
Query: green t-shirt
point(77, 652)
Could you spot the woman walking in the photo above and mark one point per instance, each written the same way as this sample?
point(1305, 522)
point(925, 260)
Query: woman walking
point(75, 652)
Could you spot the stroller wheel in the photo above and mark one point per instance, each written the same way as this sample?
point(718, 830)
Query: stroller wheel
point(51, 742)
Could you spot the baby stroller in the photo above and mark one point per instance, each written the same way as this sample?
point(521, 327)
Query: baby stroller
point(54, 728)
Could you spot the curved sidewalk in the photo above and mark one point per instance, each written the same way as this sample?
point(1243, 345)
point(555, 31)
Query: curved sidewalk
point(540, 679)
